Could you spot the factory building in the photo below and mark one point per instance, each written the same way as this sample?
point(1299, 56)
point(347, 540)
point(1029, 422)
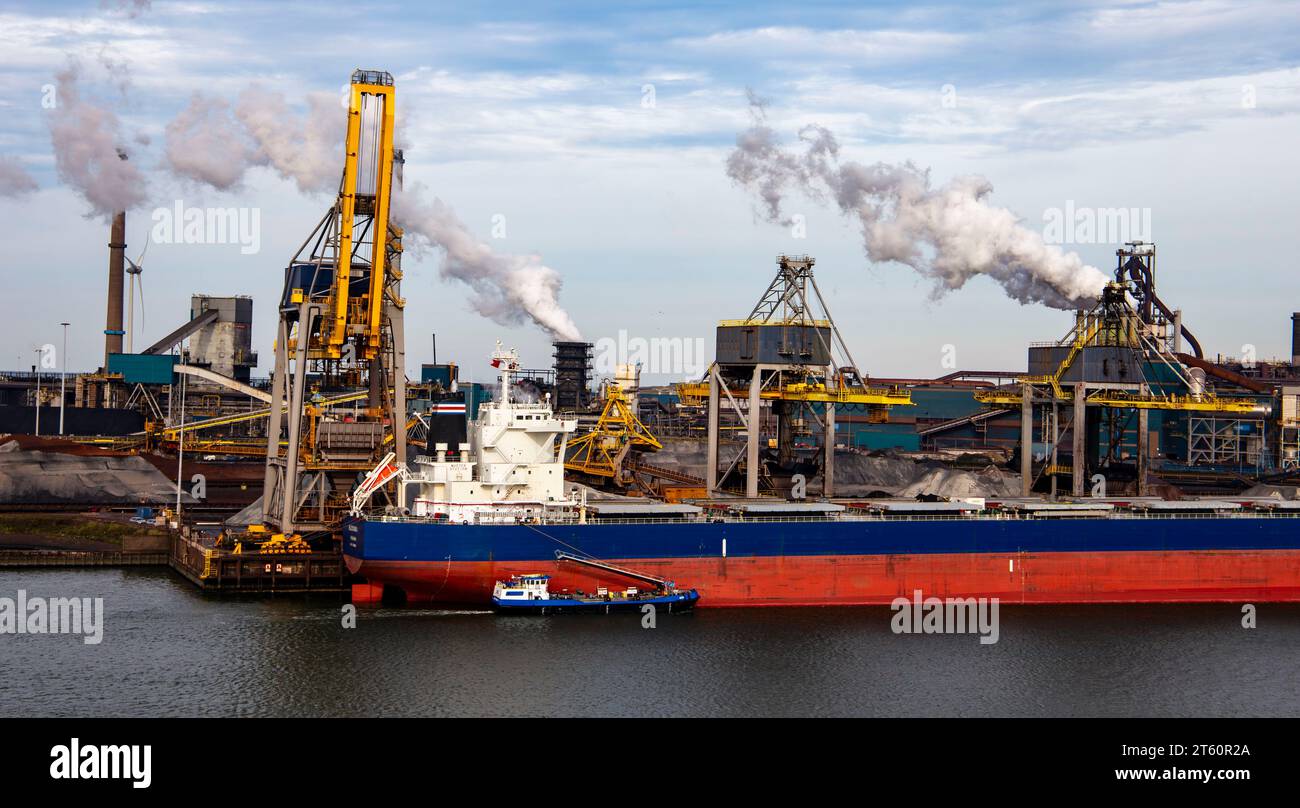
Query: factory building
point(225, 344)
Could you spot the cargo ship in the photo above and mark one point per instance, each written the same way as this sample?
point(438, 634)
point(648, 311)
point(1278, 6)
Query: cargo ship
point(495, 506)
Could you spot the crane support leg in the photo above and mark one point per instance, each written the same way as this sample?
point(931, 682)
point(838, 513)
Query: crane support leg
point(396, 315)
point(1143, 448)
point(274, 472)
point(711, 470)
point(289, 493)
point(828, 465)
point(752, 429)
point(1080, 430)
point(1026, 439)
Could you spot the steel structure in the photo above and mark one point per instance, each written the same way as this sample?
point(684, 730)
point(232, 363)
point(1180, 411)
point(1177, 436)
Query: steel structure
point(1122, 356)
point(603, 452)
point(340, 327)
point(787, 351)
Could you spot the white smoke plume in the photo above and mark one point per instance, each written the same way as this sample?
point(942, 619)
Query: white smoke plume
point(950, 233)
point(507, 288)
point(14, 179)
point(211, 143)
point(205, 144)
point(88, 152)
point(306, 149)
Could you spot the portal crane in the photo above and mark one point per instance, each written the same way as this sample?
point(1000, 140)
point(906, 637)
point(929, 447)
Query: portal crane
point(341, 330)
point(787, 351)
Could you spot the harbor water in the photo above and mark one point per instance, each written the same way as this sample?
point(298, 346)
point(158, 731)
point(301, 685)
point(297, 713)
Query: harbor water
point(168, 650)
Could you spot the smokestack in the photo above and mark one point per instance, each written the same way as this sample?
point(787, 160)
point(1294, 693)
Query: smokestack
point(116, 276)
point(1295, 339)
point(116, 279)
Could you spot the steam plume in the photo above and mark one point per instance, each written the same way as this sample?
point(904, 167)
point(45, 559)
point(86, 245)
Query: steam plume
point(303, 149)
point(205, 144)
point(507, 288)
point(87, 151)
point(211, 143)
point(949, 234)
point(14, 179)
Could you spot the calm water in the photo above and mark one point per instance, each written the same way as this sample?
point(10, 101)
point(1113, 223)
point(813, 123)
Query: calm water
point(169, 651)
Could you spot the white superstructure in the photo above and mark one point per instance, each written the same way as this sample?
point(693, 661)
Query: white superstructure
point(511, 470)
point(522, 588)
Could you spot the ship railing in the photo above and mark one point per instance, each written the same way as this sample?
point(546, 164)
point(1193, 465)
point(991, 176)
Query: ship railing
point(1007, 516)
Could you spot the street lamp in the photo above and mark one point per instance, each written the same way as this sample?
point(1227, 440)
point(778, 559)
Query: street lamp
point(63, 381)
point(36, 368)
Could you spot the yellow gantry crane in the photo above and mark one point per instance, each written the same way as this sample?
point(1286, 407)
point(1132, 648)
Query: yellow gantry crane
point(341, 331)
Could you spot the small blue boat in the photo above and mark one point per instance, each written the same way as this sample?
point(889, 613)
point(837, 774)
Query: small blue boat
point(530, 594)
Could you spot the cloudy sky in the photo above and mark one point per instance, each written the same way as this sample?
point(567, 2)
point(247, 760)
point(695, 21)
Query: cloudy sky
point(596, 138)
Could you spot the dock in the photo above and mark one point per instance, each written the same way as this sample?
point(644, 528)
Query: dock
point(226, 571)
point(80, 558)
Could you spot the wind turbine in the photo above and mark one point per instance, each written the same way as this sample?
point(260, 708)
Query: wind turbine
point(134, 269)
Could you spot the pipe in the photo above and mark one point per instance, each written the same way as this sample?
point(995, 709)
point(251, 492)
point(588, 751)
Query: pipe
point(1139, 273)
point(1223, 373)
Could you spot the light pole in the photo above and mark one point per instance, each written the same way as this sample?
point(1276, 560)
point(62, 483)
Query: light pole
point(63, 380)
point(36, 368)
point(180, 453)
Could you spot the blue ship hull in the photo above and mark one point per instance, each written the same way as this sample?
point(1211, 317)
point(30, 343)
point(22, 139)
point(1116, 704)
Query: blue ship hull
point(1122, 558)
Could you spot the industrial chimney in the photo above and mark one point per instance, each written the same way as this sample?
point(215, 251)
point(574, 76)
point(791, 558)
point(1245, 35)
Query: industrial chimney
point(1295, 339)
point(116, 276)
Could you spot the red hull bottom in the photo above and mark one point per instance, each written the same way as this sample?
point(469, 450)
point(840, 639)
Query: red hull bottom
point(1076, 577)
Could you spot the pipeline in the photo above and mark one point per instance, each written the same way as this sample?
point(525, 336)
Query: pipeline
point(1223, 373)
point(1142, 277)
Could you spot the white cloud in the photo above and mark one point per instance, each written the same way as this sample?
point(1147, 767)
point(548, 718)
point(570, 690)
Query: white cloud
point(1166, 20)
point(800, 44)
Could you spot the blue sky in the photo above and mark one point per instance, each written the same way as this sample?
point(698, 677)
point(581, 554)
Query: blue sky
point(536, 112)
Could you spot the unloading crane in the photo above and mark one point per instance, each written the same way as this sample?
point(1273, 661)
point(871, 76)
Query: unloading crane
point(341, 328)
point(602, 452)
point(788, 351)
